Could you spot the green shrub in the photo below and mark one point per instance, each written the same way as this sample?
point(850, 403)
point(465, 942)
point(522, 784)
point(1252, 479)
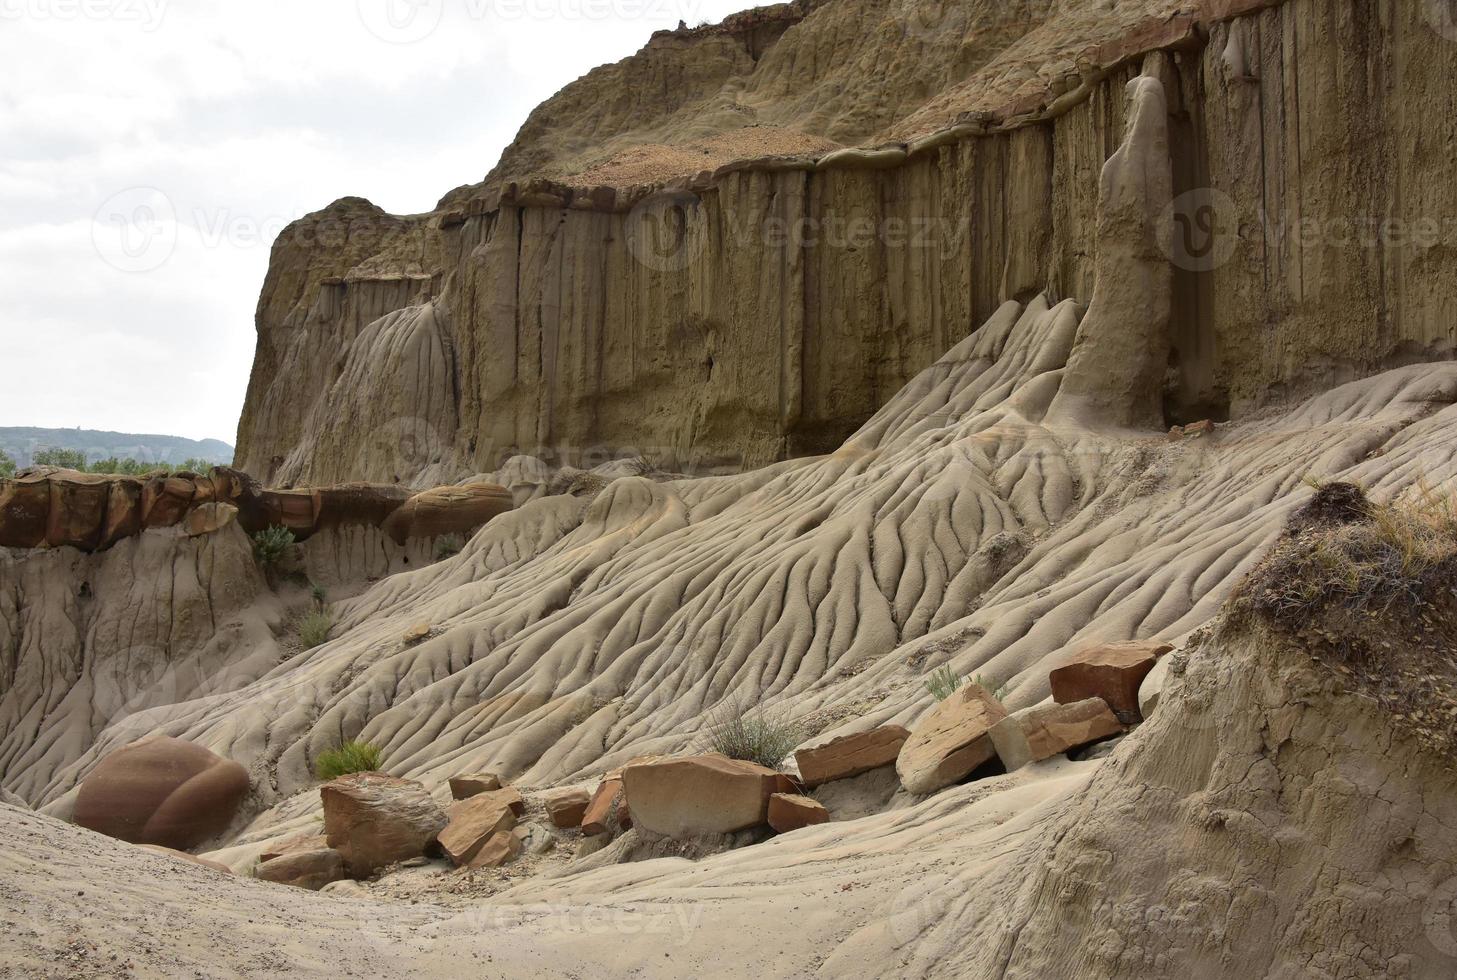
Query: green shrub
point(352, 756)
point(317, 593)
point(448, 547)
point(313, 628)
point(68, 459)
point(7, 465)
point(762, 735)
point(271, 543)
point(943, 682)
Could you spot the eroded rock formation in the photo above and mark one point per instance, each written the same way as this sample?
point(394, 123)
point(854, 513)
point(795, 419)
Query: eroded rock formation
point(602, 295)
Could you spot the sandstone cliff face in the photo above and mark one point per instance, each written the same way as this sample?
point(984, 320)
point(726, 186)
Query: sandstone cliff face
point(764, 309)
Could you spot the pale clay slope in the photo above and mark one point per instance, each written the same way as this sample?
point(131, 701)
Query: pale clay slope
point(963, 523)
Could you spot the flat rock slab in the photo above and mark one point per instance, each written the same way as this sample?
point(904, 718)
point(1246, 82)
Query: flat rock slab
point(566, 807)
point(501, 848)
point(189, 858)
point(607, 812)
point(472, 823)
point(1112, 672)
point(850, 755)
point(790, 811)
point(374, 820)
point(1046, 730)
point(161, 791)
point(695, 796)
point(305, 869)
point(464, 787)
point(951, 742)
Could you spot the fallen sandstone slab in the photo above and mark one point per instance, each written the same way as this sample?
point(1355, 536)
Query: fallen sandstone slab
point(374, 820)
point(850, 755)
point(696, 796)
point(790, 811)
point(473, 822)
point(310, 870)
point(952, 742)
point(1046, 730)
point(1111, 671)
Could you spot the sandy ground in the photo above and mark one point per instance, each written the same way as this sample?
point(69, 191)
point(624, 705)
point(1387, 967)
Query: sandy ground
point(74, 903)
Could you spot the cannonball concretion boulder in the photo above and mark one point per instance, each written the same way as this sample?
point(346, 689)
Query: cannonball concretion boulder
point(161, 791)
point(374, 820)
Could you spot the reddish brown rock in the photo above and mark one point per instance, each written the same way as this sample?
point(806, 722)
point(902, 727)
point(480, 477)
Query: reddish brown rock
point(1046, 730)
point(25, 507)
point(464, 787)
point(501, 848)
point(951, 742)
point(607, 812)
point(850, 755)
point(700, 795)
point(472, 823)
point(790, 811)
point(374, 820)
point(208, 863)
point(305, 869)
point(299, 842)
point(165, 499)
point(1112, 672)
point(161, 791)
point(566, 807)
point(77, 515)
point(297, 510)
point(123, 511)
point(447, 510)
point(208, 518)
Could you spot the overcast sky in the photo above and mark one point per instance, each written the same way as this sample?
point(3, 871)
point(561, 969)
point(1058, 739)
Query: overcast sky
point(150, 151)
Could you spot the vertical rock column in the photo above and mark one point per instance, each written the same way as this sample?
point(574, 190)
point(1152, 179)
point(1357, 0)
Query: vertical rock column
point(1115, 375)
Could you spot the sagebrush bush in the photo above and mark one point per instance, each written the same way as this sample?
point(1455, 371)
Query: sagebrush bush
point(271, 543)
point(448, 547)
point(352, 756)
point(313, 628)
point(761, 735)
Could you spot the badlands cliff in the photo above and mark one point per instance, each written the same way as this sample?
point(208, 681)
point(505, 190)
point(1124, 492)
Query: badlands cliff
point(952, 466)
point(733, 247)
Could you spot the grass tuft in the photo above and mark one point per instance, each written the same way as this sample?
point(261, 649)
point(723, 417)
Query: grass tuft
point(943, 682)
point(313, 628)
point(761, 735)
point(352, 756)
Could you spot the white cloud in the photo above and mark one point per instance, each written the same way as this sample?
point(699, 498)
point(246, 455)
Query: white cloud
point(241, 116)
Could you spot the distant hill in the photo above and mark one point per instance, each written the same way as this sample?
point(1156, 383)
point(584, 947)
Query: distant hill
point(19, 442)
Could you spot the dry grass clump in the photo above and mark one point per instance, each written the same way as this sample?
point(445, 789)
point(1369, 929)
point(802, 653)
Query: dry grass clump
point(1370, 590)
point(761, 735)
